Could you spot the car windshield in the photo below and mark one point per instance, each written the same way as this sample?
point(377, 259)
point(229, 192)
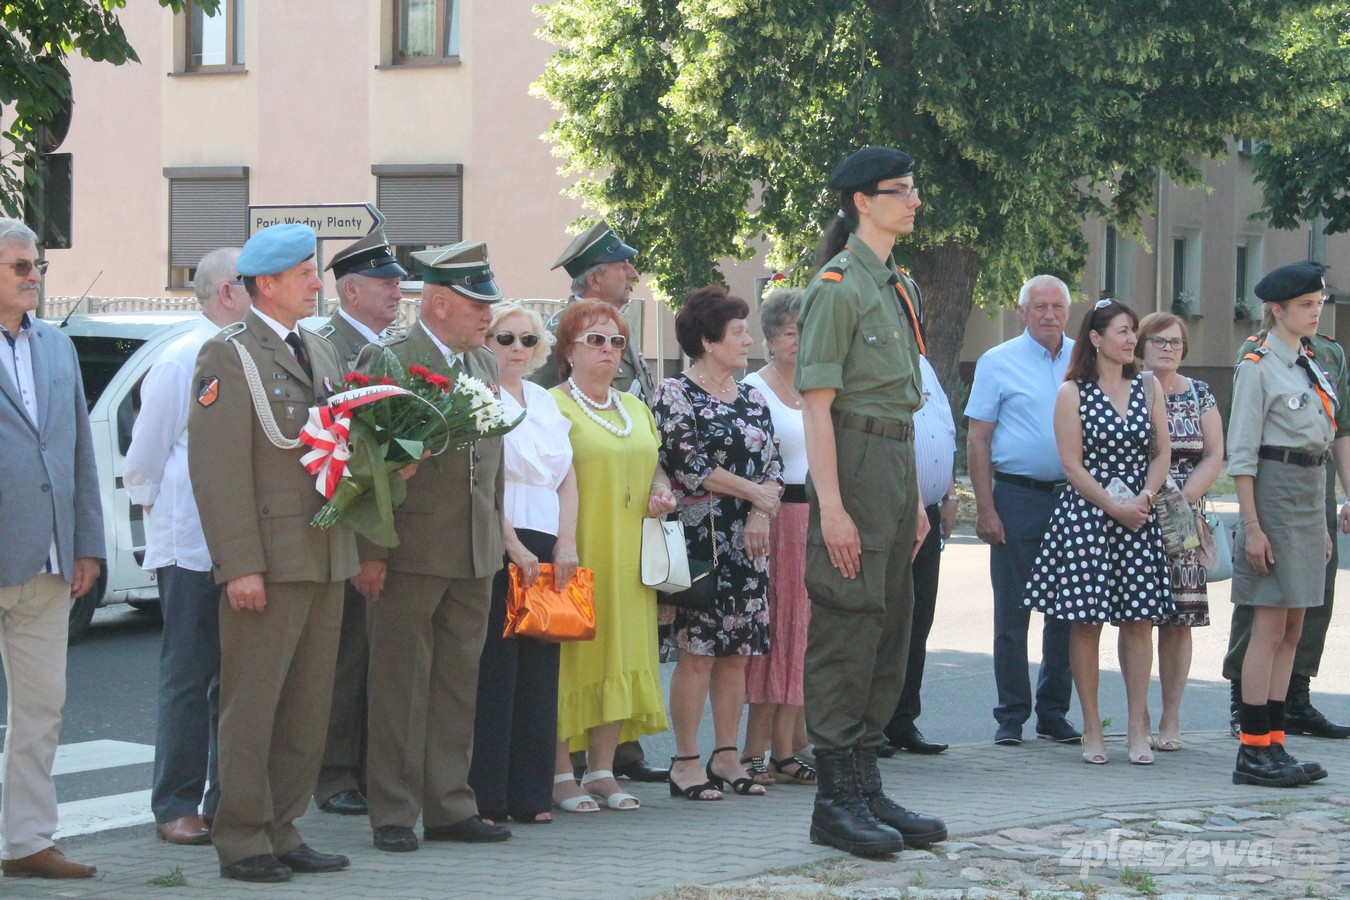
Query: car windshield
point(100, 359)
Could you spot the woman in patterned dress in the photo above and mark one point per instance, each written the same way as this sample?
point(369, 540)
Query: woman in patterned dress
point(1195, 432)
point(1102, 558)
point(718, 447)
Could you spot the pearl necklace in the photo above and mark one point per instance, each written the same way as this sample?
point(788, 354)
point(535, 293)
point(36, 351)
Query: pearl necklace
point(703, 379)
point(588, 406)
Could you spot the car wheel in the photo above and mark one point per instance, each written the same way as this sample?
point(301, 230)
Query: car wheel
point(82, 608)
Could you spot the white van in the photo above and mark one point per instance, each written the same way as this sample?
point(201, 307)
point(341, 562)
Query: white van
point(116, 350)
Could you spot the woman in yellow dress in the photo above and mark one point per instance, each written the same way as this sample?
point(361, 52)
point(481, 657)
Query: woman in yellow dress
point(609, 688)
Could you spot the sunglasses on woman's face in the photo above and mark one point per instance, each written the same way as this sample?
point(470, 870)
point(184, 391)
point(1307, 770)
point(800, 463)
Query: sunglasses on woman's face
point(527, 340)
point(597, 340)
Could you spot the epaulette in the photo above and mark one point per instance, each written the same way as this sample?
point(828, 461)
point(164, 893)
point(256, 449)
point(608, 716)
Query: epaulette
point(392, 337)
point(232, 329)
point(327, 331)
point(1258, 354)
point(393, 331)
point(1253, 338)
point(309, 330)
point(1327, 337)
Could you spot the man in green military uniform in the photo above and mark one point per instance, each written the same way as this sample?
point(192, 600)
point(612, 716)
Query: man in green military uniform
point(1301, 717)
point(368, 296)
point(858, 372)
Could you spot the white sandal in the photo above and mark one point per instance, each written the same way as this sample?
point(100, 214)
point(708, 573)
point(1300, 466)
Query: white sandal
point(573, 804)
point(614, 800)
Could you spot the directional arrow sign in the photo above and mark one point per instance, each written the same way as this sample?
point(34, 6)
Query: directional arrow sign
point(342, 221)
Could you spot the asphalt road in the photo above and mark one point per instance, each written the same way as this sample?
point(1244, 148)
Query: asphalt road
point(113, 673)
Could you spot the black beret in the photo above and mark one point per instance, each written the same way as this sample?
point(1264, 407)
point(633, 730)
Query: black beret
point(869, 165)
point(1293, 280)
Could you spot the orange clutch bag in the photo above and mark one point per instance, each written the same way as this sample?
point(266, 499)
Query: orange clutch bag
point(540, 612)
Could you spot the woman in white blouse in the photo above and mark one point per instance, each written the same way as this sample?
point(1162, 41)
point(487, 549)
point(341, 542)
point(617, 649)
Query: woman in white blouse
point(774, 681)
point(516, 725)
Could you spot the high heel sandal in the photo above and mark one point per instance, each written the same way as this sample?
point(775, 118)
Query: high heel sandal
point(743, 786)
point(693, 792)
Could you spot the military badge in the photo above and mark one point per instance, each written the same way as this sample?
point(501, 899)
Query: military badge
point(208, 390)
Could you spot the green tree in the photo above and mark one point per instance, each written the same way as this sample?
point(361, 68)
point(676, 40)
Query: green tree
point(1303, 164)
point(38, 37)
point(699, 126)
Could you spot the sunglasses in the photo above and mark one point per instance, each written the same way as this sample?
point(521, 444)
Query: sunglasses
point(527, 340)
point(598, 340)
point(23, 267)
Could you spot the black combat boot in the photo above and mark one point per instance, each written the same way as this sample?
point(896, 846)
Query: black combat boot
point(1257, 765)
point(1301, 717)
point(1234, 706)
point(841, 819)
point(917, 829)
point(1311, 767)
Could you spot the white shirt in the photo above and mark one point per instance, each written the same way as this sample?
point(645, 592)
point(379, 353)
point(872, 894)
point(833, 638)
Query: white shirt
point(787, 428)
point(18, 358)
point(451, 357)
point(370, 336)
point(536, 455)
point(156, 468)
point(281, 330)
point(934, 438)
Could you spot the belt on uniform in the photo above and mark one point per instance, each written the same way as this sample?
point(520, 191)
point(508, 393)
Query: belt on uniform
point(887, 428)
point(1049, 487)
point(1293, 457)
point(793, 493)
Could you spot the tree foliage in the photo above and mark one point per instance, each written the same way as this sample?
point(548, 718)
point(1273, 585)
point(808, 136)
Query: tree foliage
point(700, 126)
point(37, 39)
point(1303, 165)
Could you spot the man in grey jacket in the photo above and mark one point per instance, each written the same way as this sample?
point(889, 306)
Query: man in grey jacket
point(51, 526)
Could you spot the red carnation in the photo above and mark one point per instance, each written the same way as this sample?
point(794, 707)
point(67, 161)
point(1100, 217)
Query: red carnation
point(419, 371)
point(387, 380)
point(439, 381)
point(357, 379)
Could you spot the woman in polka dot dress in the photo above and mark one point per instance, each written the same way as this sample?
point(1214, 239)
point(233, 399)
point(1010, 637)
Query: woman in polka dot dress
point(1102, 558)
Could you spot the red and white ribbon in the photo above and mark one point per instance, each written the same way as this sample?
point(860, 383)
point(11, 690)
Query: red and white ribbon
point(326, 431)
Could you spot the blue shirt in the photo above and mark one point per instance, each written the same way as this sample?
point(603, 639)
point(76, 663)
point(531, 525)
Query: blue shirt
point(1015, 387)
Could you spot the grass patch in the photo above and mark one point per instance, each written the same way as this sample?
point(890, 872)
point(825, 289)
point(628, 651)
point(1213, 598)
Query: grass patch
point(175, 878)
point(1088, 890)
point(1140, 880)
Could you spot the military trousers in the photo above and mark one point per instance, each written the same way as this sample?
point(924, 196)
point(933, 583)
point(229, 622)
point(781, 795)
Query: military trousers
point(344, 753)
point(857, 644)
point(426, 636)
point(1316, 619)
point(276, 680)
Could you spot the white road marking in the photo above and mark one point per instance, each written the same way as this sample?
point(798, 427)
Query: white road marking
point(89, 756)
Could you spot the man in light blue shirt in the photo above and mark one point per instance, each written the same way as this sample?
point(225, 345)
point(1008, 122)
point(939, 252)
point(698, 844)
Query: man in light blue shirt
point(1016, 475)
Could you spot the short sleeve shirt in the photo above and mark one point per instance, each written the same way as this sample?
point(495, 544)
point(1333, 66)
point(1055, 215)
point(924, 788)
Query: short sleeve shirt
point(1015, 387)
point(1274, 404)
point(856, 337)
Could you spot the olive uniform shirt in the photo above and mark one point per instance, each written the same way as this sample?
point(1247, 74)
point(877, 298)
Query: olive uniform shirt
point(857, 338)
point(1274, 404)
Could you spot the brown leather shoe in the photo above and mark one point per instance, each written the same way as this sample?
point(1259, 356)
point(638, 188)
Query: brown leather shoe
point(187, 830)
point(49, 863)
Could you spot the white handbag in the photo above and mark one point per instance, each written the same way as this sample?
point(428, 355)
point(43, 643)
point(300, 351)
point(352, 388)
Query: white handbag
point(1218, 564)
point(665, 556)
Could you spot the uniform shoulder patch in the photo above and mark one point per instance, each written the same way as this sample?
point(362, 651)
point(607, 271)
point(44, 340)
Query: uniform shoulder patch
point(232, 330)
point(208, 390)
point(1258, 354)
point(832, 273)
point(327, 331)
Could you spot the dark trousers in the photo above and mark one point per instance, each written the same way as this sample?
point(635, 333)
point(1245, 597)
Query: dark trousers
point(1316, 619)
point(344, 753)
point(189, 696)
point(515, 729)
point(926, 565)
point(1025, 513)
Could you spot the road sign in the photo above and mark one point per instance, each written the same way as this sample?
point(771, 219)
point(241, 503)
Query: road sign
point(338, 221)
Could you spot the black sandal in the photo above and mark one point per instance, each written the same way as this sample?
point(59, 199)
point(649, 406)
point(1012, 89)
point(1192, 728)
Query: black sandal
point(805, 773)
point(743, 786)
point(757, 769)
point(694, 792)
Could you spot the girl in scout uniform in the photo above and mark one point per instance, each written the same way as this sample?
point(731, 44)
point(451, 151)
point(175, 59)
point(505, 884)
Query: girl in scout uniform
point(1279, 434)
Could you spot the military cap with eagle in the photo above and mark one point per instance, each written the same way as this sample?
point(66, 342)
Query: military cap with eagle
point(369, 256)
point(597, 244)
point(462, 267)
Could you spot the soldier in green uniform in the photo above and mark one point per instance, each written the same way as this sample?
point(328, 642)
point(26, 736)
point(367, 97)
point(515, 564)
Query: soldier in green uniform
point(858, 372)
point(1300, 716)
point(1280, 430)
point(368, 296)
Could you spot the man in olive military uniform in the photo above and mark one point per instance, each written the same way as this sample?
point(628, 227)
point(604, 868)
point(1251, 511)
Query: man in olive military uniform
point(254, 385)
point(1300, 716)
point(600, 265)
point(429, 619)
point(858, 372)
point(368, 297)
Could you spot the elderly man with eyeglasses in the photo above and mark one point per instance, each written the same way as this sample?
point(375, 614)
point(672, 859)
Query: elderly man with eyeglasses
point(52, 532)
point(1016, 476)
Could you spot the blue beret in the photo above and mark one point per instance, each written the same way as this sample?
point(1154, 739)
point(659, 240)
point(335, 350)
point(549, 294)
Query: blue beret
point(1293, 280)
point(275, 249)
point(868, 166)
